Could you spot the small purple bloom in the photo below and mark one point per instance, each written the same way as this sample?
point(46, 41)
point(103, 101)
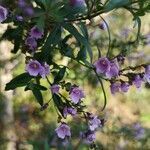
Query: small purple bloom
point(137, 81)
point(102, 65)
point(125, 87)
point(45, 70)
point(72, 111)
point(29, 11)
point(69, 110)
point(76, 94)
point(89, 137)
point(102, 26)
point(63, 131)
point(139, 131)
point(33, 67)
point(36, 33)
point(77, 3)
point(19, 18)
point(3, 14)
point(31, 43)
point(115, 87)
point(147, 74)
point(21, 3)
point(113, 71)
point(55, 88)
point(94, 123)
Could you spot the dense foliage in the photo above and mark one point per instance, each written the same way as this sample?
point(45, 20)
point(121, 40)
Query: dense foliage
point(42, 29)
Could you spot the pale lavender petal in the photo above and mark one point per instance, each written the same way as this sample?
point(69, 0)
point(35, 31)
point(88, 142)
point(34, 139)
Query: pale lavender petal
point(102, 65)
point(63, 130)
point(3, 14)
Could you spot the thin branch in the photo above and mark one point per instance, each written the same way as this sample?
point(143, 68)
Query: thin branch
point(102, 86)
point(109, 35)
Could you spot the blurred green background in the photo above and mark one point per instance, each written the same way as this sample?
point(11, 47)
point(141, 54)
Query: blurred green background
point(127, 115)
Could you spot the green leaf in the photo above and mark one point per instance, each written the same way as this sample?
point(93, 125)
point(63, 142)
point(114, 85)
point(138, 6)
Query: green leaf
point(40, 87)
point(17, 39)
point(19, 81)
point(81, 39)
point(58, 103)
point(32, 86)
point(112, 4)
point(82, 54)
point(52, 40)
point(84, 30)
point(60, 75)
point(65, 49)
point(38, 95)
point(40, 22)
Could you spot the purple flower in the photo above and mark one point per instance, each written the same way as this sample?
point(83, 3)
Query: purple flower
point(125, 87)
point(55, 88)
point(21, 3)
point(19, 18)
point(69, 110)
point(63, 131)
point(113, 71)
point(45, 70)
point(137, 81)
point(36, 33)
point(139, 131)
point(147, 74)
point(102, 65)
point(94, 123)
point(76, 94)
point(3, 14)
point(33, 67)
point(89, 137)
point(115, 87)
point(77, 3)
point(31, 43)
point(102, 26)
point(29, 11)
point(72, 111)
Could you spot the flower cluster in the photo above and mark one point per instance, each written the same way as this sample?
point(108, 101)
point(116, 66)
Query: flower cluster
point(34, 68)
point(108, 68)
point(111, 71)
point(35, 34)
point(94, 123)
point(76, 94)
point(134, 79)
